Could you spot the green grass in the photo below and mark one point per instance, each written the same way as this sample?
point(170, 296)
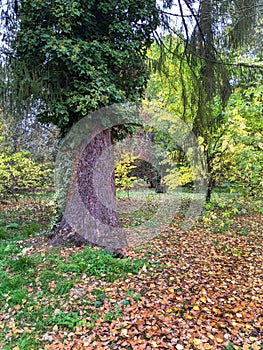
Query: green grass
point(18, 230)
point(141, 206)
point(33, 285)
point(66, 320)
point(99, 264)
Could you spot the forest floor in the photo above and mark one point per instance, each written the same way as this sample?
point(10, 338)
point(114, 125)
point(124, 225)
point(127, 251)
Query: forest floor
point(200, 288)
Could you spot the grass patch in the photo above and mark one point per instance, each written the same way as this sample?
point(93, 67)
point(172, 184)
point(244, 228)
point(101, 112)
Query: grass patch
point(66, 320)
point(55, 283)
point(18, 231)
point(99, 264)
point(35, 284)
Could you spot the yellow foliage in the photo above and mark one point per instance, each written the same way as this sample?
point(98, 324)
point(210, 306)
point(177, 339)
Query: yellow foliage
point(123, 179)
point(179, 177)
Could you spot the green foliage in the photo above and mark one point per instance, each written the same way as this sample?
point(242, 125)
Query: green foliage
point(230, 137)
point(19, 174)
point(33, 283)
point(55, 283)
point(123, 179)
point(99, 264)
point(171, 87)
point(12, 225)
point(113, 315)
point(67, 320)
point(21, 263)
point(14, 229)
point(74, 57)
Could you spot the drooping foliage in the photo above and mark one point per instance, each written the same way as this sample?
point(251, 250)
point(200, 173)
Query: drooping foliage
point(214, 40)
point(208, 31)
point(28, 134)
point(234, 151)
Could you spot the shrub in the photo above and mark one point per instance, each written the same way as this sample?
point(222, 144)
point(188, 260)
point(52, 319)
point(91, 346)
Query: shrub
point(20, 174)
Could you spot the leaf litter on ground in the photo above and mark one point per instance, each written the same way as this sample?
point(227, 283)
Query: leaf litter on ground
point(192, 290)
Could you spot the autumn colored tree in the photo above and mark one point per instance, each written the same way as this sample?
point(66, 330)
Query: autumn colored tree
point(209, 33)
point(123, 173)
point(239, 153)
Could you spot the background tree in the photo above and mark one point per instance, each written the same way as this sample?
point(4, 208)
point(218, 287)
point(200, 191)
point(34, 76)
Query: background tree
point(211, 33)
point(123, 173)
point(28, 134)
point(239, 154)
point(20, 174)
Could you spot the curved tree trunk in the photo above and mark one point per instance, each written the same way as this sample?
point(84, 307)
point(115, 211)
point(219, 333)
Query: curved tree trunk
point(90, 215)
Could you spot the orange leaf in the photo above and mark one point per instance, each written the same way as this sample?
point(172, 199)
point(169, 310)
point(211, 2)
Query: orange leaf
point(124, 332)
point(197, 341)
point(154, 344)
point(219, 338)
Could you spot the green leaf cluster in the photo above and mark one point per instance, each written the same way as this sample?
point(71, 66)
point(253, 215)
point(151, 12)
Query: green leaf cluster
point(231, 137)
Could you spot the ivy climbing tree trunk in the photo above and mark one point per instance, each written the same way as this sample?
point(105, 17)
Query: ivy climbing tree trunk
point(65, 60)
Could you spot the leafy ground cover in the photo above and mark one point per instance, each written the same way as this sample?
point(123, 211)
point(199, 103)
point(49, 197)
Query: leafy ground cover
point(197, 289)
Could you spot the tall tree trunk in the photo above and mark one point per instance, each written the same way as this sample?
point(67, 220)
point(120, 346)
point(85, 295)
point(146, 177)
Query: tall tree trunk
point(90, 215)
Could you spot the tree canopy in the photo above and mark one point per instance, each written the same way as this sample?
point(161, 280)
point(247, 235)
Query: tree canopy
point(69, 58)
